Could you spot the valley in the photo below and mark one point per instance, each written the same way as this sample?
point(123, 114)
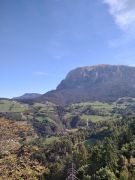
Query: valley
point(40, 140)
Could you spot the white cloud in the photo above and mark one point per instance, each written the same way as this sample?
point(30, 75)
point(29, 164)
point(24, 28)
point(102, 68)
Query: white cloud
point(123, 12)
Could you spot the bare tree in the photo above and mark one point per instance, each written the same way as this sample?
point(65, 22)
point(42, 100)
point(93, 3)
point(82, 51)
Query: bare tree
point(72, 173)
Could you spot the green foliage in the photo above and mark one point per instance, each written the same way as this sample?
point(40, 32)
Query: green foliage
point(105, 149)
point(12, 106)
point(104, 174)
point(124, 174)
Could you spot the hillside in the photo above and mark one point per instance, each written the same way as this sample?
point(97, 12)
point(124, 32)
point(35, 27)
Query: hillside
point(27, 96)
point(50, 119)
point(40, 140)
point(104, 83)
point(105, 151)
point(15, 158)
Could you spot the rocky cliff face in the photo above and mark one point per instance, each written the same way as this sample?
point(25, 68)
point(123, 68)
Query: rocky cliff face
point(102, 82)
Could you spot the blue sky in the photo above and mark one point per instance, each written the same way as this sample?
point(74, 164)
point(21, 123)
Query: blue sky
point(41, 41)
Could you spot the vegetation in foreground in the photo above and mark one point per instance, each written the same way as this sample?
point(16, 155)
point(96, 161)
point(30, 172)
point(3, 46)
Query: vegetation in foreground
point(99, 149)
point(106, 151)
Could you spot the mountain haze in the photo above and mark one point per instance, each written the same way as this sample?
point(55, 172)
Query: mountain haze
point(104, 83)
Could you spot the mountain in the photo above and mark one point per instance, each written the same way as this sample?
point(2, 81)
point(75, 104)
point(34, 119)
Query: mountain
point(104, 83)
point(28, 96)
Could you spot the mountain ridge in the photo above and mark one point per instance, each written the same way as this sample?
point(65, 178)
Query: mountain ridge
point(27, 96)
point(90, 83)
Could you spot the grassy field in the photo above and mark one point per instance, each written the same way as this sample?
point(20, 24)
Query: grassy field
point(12, 106)
point(95, 118)
point(95, 111)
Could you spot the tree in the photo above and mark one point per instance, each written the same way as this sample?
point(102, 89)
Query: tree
point(124, 174)
point(104, 174)
point(109, 155)
point(72, 173)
